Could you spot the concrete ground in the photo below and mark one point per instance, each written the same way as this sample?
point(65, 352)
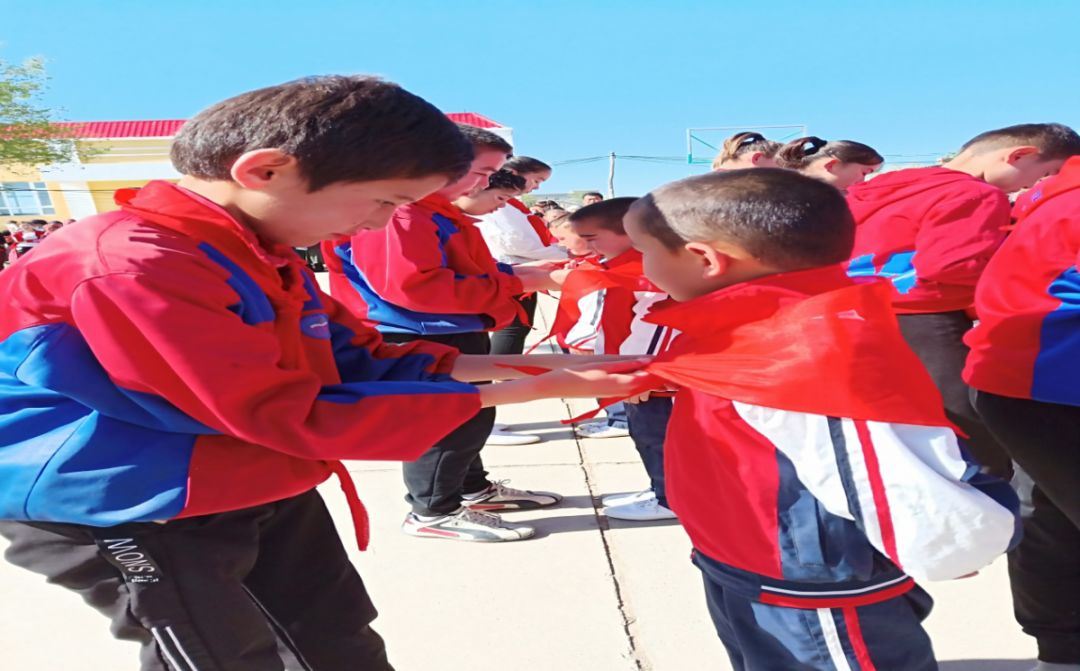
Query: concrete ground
point(587, 594)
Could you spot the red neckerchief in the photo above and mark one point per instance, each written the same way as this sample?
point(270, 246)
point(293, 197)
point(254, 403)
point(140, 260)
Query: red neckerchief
point(1067, 179)
point(275, 268)
point(812, 341)
point(536, 222)
point(621, 276)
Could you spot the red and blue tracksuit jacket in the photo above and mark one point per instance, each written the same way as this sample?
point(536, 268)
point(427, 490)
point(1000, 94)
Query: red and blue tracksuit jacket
point(930, 231)
point(1027, 342)
point(428, 272)
point(158, 362)
point(812, 511)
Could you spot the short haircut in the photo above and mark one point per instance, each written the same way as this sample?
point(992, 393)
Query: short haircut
point(800, 153)
point(562, 218)
point(339, 128)
point(1054, 140)
point(592, 193)
point(506, 180)
point(782, 218)
point(484, 139)
point(608, 214)
point(525, 165)
point(744, 143)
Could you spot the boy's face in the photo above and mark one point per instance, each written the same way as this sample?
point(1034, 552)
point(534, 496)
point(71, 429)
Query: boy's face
point(485, 202)
point(678, 272)
point(605, 242)
point(484, 165)
point(570, 241)
point(589, 200)
point(1015, 172)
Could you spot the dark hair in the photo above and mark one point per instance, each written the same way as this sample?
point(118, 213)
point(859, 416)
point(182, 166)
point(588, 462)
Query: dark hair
point(339, 128)
point(506, 180)
point(1054, 140)
point(524, 165)
point(784, 219)
point(798, 154)
point(744, 143)
point(38, 222)
point(608, 214)
point(546, 205)
point(592, 193)
point(484, 139)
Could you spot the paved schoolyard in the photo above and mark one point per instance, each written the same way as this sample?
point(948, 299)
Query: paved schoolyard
point(585, 595)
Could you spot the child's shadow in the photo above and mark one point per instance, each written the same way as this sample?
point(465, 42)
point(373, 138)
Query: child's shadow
point(987, 665)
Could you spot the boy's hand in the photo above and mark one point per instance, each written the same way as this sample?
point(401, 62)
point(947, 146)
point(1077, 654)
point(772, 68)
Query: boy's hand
point(607, 380)
point(535, 279)
point(558, 276)
point(542, 265)
point(610, 380)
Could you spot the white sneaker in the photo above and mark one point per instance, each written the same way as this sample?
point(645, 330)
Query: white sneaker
point(640, 511)
point(497, 496)
point(613, 500)
point(503, 437)
point(467, 525)
point(601, 430)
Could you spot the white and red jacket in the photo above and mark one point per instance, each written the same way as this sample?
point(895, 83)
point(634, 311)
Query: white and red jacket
point(807, 455)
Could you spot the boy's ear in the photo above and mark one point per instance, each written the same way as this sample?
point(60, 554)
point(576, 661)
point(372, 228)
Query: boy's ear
point(831, 163)
point(756, 157)
point(255, 169)
point(1018, 153)
point(714, 263)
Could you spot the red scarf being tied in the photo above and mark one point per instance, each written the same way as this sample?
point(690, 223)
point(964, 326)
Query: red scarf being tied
point(620, 277)
point(812, 341)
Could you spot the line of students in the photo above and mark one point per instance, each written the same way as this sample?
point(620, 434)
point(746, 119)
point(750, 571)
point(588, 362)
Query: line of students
point(169, 404)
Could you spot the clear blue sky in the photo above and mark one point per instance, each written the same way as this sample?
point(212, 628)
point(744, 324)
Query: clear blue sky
point(579, 79)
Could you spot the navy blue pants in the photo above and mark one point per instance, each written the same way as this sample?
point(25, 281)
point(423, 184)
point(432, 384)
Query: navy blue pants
point(647, 423)
point(885, 636)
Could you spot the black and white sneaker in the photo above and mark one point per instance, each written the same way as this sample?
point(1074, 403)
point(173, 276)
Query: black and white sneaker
point(467, 525)
point(498, 496)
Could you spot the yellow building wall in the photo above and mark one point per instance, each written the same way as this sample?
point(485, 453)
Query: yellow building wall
point(126, 150)
point(102, 192)
point(24, 174)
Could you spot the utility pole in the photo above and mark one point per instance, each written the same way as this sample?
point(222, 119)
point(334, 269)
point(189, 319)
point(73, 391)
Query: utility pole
point(611, 176)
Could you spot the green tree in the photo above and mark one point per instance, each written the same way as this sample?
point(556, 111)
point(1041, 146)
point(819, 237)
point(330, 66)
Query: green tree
point(27, 136)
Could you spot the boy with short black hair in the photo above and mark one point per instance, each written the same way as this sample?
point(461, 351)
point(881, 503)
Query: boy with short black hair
point(615, 292)
point(807, 455)
point(931, 231)
point(429, 276)
point(167, 469)
point(591, 198)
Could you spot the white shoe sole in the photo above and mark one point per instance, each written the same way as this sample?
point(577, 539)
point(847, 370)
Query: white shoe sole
point(622, 499)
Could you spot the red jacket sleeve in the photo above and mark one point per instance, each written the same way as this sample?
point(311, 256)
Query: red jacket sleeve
point(408, 264)
point(959, 235)
point(171, 335)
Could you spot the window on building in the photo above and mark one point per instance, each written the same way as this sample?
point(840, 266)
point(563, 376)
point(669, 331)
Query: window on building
point(18, 198)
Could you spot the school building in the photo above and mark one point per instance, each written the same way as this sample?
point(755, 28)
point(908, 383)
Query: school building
point(123, 154)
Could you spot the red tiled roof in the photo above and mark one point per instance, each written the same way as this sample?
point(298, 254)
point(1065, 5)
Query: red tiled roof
point(168, 127)
point(107, 129)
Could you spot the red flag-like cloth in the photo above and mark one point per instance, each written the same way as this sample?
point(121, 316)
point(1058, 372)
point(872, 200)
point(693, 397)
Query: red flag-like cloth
point(812, 341)
point(621, 276)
